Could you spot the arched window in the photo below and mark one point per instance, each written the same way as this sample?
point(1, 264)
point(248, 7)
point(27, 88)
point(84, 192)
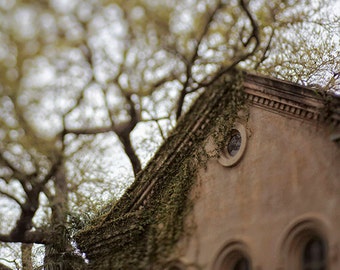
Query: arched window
point(242, 264)
point(234, 256)
point(305, 247)
point(174, 265)
point(174, 268)
point(314, 255)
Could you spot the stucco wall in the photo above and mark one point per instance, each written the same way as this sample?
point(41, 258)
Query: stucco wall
point(290, 172)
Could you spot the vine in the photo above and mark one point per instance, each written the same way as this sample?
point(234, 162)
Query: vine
point(137, 235)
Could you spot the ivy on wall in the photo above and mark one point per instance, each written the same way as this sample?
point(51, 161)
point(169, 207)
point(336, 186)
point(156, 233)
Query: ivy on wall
point(142, 228)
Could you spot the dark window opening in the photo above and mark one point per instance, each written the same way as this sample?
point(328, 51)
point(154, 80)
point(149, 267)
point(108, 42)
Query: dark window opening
point(174, 268)
point(314, 255)
point(242, 264)
point(234, 143)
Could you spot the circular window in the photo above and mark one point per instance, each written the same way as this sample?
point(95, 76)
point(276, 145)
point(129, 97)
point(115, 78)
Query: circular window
point(235, 146)
point(234, 143)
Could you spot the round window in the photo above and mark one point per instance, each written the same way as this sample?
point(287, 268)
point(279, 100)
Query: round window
point(235, 146)
point(234, 143)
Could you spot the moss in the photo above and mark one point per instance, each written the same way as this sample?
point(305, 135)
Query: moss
point(141, 231)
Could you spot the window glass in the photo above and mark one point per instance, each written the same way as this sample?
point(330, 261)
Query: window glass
point(174, 268)
point(314, 255)
point(242, 264)
point(234, 143)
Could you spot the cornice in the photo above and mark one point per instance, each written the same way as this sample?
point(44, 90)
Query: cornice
point(290, 99)
point(282, 106)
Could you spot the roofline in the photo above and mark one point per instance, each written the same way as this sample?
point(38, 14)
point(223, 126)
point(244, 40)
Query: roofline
point(278, 96)
point(291, 99)
point(275, 95)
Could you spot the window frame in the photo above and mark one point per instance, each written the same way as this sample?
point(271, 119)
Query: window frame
point(307, 249)
point(227, 159)
point(230, 254)
point(296, 239)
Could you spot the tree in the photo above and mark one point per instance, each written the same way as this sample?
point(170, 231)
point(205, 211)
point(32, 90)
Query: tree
point(74, 75)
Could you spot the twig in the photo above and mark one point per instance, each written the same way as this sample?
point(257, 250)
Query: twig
point(190, 64)
point(264, 54)
point(89, 131)
point(255, 35)
point(10, 196)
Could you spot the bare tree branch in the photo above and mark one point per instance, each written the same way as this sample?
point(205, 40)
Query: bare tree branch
point(177, 54)
point(11, 197)
point(4, 267)
point(265, 51)
point(34, 237)
point(191, 62)
point(152, 119)
point(31, 205)
point(160, 130)
point(88, 131)
point(51, 173)
point(256, 30)
point(123, 131)
point(16, 173)
point(254, 35)
point(24, 179)
point(155, 119)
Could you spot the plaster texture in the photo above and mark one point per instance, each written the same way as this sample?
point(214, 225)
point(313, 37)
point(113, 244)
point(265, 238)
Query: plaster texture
point(289, 173)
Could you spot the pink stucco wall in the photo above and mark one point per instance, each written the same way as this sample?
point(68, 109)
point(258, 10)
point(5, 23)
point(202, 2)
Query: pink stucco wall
point(289, 173)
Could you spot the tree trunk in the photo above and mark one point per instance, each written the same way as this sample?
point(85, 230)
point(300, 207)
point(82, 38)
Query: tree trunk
point(26, 256)
point(60, 255)
point(54, 253)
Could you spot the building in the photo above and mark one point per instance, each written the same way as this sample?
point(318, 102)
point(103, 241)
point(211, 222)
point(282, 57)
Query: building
point(270, 199)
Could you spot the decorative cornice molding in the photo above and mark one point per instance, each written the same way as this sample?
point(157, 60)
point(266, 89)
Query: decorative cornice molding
point(289, 99)
point(283, 106)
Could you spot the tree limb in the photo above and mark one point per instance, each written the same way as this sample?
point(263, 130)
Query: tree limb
point(88, 131)
point(31, 205)
point(264, 54)
point(11, 197)
point(30, 237)
point(191, 62)
point(124, 130)
point(255, 35)
point(4, 267)
point(176, 53)
point(256, 30)
point(16, 173)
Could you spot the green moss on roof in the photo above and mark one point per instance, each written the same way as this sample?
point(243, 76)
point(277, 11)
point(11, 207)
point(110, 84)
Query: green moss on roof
point(143, 227)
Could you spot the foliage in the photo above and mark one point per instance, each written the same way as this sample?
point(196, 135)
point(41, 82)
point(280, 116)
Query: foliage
point(142, 235)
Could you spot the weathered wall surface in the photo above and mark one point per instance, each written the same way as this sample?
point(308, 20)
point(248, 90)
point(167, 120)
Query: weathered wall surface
point(283, 191)
point(289, 173)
